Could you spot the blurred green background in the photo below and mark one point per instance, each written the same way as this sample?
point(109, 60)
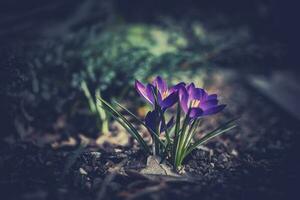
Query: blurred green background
point(100, 47)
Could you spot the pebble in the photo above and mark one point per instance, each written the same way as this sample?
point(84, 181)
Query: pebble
point(96, 154)
point(82, 171)
point(234, 152)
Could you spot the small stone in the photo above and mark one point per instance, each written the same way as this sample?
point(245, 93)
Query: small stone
point(155, 167)
point(82, 171)
point(96, 154)
point(234, 152)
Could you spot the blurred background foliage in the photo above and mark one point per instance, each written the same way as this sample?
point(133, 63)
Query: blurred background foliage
point(110, 54)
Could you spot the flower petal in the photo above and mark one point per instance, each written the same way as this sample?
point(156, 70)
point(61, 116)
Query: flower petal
point(170, 100)
point(190, 88)
point(176, 87)
point(149, 89)
point(208, 104)
point(144, 91)
point(150, 120)
point(183, 99)
point(160, 84)
point(140, 88)
point(195, 112)
point(159, 98)
point(197, 93)
point(214, 110)
point(211, 96)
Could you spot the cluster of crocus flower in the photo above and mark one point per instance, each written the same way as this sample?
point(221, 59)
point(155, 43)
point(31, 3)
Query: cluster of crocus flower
point(195, 102)
point(172, 139)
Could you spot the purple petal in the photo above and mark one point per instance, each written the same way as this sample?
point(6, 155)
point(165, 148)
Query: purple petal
point(150, 120)
point(140, 88)
point(183, 99)
point(197, 93)
point(170, 100)
point(195, 112)
point(149, 93)
point(144, 91)
point(159, 98)
point(176, 87)
point(211, 96)
point(160, 84)
point(190, 88)
point(208, 104)
point(214, 110)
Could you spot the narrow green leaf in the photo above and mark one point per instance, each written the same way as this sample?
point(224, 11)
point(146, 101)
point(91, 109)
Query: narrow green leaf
point(89, 97)
point(102, 114)
point(140, 121)
point(189, 134)
point(192, 133)
point(117, 115)
point(130, 113)
point(132, 131)
point(228, 126)
point(176, 135)
point(101, 111)
point(180, 150)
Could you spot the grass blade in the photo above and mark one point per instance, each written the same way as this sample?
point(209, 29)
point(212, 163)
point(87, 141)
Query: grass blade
point(130, 113)
point(226, 127)
point(119, 117)
point(140, 121)
point(176, 135)
point(180, 150)
point(89, 97)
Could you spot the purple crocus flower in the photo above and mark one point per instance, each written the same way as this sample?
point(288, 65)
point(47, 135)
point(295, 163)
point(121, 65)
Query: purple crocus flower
point(166, 97)
point(198, 101)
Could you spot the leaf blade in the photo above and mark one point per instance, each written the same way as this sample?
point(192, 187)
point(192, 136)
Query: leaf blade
point(228, 126)
point(117, 115)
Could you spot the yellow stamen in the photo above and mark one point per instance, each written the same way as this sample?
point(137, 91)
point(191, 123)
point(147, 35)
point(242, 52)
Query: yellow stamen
point(165, 94)
point(195, 103)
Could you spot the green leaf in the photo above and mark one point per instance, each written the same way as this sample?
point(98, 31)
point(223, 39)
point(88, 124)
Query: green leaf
point(224, 128)
point(140, 121)
point(124, 122)
point(130, 113)
point(189, 133)
point(102, 114)
point(176, 134)
point(100, 110)
point(88, 95)
point(180, 148)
